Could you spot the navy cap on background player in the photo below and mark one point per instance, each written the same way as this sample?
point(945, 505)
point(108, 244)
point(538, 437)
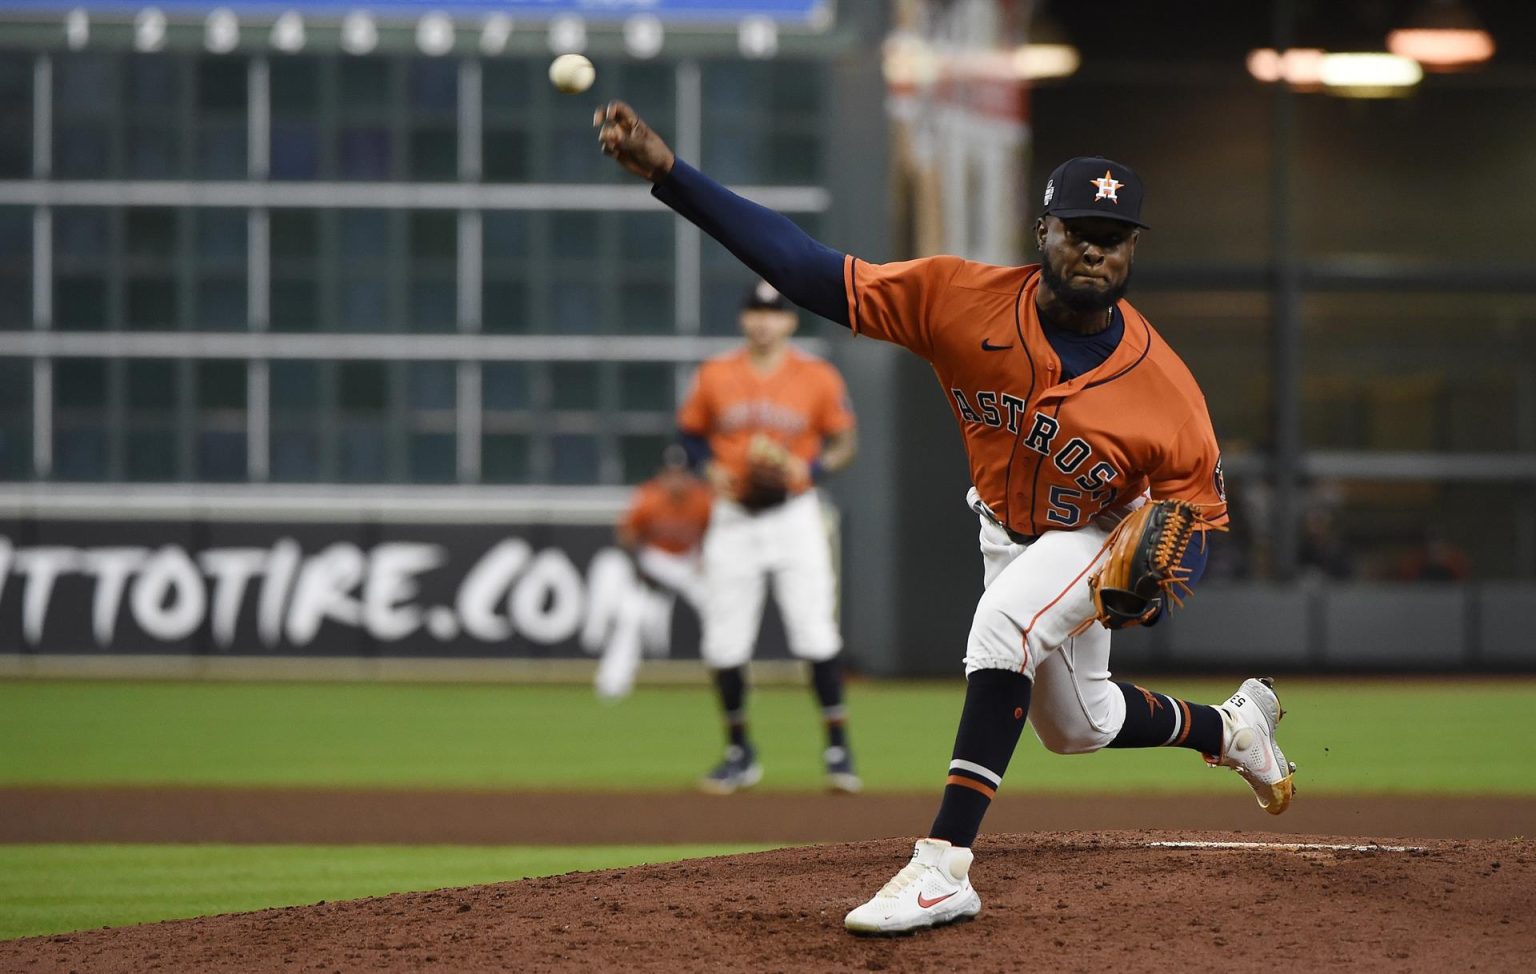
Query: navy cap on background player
point(762, 296)
point(1093, 186)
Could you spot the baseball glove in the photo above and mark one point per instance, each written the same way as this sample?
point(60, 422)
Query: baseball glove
point(767, 484)
point(1144, 564)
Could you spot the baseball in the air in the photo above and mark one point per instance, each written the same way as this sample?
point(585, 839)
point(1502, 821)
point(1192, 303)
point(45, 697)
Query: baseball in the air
point(572, 73)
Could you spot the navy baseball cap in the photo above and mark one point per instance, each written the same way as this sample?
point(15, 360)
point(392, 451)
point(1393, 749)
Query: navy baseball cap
point(762, 296)
point(1094, 186)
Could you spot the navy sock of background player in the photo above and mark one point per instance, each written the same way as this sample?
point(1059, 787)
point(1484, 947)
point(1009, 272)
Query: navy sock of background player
point(811, 275)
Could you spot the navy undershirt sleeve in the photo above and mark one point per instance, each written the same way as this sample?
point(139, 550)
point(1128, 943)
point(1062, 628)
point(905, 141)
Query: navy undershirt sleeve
point(697, 448)
point(805, 271)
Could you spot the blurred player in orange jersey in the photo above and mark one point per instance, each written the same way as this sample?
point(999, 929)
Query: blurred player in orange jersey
point(763, 423)
point(661, 530)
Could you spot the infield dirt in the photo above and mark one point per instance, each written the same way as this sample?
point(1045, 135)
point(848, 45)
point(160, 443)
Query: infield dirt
point(1054, 899)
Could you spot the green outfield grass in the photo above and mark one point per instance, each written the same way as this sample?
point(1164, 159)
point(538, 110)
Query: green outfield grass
point(55, 888)
point(1455, 736)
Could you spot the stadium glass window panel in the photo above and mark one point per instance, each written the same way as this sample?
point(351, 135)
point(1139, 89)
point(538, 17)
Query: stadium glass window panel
point(152, 394)
point(294, 455)
point(297, 93)
point(504, 306)
point(362, 452)
point(575, 235)
point(81, 150)
point(153, 151)
point(298, 394)
point(222, 85)
point(434, 303)
point(505, 458)
point(434, 153)
point(295, 304)
point(154, 83)
point(221, 456)
point(647, 238)
point(150, 451)
point(219, 447)
point(647, 387)
point(80, 303)
point(432, 386)
point(432, 458)
point(151, 234)
point(575, 385)
point(505, 154)
point(81, 234)
point(510, 90)
point(434, 236)
point(365, 234)
point(222, 150)
point(295, 149)
point(506, 386)
point(15, 117)
point(645, 308)
point(505, 237)
point(151, 304)
point(84, 84)
point(221, 237)
point(221, 386)
point(640, 456)
point(365, 302)
point(15, 268)
point(569, 157)
point(221, 304)
point(81, 419)
point(15, 419)
point(574, 459)
point(365, 85)
point(365, 152)
point(794, 157)
point(362, 387)
point(575, 307)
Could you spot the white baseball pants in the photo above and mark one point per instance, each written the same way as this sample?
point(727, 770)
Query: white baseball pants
point(1036, 597)
point(742, 551)
point(644, 621)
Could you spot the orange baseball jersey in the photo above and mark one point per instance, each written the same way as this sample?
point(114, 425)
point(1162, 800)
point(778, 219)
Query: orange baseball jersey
point(1044, 454)
point(799, 404)
point(668, 519)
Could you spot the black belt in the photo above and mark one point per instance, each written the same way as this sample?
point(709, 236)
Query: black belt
point(1013, 535)
point(1016, 537)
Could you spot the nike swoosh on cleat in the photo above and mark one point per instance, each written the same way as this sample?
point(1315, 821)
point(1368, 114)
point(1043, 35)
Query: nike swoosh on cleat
point(924, 902)
point(987, 346)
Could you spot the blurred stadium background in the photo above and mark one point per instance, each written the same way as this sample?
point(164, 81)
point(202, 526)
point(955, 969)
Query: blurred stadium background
point(327, 332)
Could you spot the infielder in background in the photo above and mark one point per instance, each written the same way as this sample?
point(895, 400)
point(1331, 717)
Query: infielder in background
point(763, 423)
point(661, 530)
point(1074, 411)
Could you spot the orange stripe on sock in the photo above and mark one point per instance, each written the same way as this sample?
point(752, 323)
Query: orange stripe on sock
point(1183, 735)
point(972, 784)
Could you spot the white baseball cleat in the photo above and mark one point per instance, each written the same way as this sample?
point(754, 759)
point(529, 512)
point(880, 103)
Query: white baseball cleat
point(1248, 745)
point(931, 890)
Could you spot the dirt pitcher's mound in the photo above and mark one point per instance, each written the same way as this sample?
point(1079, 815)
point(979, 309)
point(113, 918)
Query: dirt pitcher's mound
point(1054, 901)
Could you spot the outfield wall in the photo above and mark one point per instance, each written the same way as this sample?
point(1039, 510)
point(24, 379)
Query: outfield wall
point(528, 578)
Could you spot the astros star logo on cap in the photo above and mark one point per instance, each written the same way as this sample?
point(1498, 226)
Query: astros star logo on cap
point(1107, 185)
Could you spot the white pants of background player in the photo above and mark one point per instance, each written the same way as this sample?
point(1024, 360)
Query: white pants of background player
point(1036, 597)
point(644, 620)
point(742, 552)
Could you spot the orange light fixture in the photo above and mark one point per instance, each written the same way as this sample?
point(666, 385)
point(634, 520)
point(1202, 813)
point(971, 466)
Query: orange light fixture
point(1445, 35)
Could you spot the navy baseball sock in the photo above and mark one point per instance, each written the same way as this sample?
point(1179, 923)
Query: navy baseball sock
point(996, 703)
point(827, 681)
point(732, 686)
point(1158, 720)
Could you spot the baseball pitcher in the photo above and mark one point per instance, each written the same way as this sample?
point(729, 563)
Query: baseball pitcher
point(1096, 484)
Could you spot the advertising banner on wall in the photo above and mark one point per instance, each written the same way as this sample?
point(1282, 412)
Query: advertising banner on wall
point(307, 589)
